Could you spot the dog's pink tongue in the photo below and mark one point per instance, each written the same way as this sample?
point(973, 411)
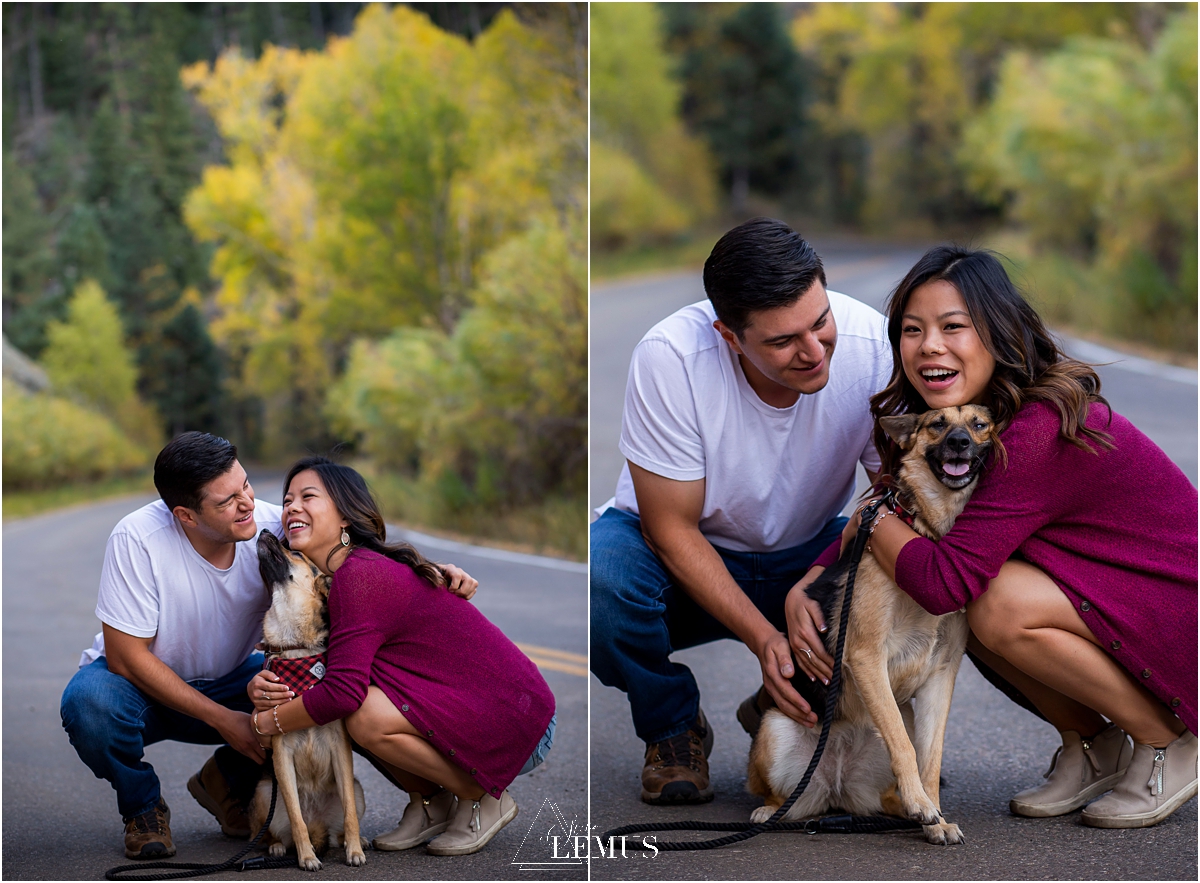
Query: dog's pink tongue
point(956, 467)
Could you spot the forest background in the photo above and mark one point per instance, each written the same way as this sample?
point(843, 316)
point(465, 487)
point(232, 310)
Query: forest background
point(1061, 134)
point(302, 225)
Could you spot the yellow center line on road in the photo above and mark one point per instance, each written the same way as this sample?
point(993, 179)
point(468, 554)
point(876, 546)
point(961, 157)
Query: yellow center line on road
point(556, 660)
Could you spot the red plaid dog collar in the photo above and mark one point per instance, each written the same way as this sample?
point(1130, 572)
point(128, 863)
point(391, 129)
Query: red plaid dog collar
point(300, 674)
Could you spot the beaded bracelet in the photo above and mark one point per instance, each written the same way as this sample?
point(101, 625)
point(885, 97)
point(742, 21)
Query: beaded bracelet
point(275, 715)
point(883, 513)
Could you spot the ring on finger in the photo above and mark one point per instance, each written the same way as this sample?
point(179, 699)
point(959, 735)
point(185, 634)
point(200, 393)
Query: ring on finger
point(807, 653)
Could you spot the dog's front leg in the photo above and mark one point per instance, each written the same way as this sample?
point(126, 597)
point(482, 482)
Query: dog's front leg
point(285, 775)
point(343, 771)
point(933, 710)
point(871, 675)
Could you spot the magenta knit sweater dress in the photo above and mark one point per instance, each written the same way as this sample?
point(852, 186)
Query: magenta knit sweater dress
point(1116, 530)
point(449, 671)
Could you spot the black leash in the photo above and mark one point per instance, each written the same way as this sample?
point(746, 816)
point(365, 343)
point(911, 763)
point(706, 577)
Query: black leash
point(845, 824)
point(180, 870)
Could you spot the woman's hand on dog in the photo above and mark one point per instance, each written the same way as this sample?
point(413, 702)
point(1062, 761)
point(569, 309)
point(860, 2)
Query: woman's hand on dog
point(805, 625)
point(851, 528)
point(266, 692)
point(459, 582)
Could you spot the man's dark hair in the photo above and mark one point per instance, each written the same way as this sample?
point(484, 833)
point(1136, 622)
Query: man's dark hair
point(189, 462)
point(760, 265)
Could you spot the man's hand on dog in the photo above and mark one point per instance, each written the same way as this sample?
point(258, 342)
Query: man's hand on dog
point(775, 659)
point(239, 733)
point(459, 582)
point(805, 625)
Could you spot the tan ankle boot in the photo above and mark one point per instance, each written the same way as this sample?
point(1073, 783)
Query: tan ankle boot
point(423, 818)
point(1158, 782)
point(474, 824)
point(1081, 771)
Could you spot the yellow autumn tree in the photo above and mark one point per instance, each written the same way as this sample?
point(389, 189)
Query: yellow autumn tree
point(371, 192)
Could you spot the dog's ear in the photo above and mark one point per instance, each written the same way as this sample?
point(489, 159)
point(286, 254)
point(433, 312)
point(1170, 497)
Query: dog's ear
point(323, 584)
point(902, 429)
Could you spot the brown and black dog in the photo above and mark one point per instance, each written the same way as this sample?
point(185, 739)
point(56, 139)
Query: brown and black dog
point(320, 800)
point(894, 652)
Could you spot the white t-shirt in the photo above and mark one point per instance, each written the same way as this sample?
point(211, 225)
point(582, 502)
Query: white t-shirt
point(773, 476)
point(204, 620)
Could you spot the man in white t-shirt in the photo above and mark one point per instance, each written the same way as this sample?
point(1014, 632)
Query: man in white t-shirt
point(741, 432)
point(181, 605)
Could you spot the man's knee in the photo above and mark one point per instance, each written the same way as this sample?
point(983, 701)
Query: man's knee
point(97, 706)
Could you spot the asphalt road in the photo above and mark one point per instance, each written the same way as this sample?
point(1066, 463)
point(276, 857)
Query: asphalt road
point(993, 748)
point(61, 823)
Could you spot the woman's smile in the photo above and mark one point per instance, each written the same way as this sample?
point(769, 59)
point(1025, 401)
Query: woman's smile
point(312, 521)
point(943, 356)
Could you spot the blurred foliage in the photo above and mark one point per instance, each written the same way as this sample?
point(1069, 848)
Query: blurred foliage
point(1094, 146)
point(50, 440)
point(401, 222)
point(904, 79)
point(745, 91)
point(651, 180)
point(86, 359)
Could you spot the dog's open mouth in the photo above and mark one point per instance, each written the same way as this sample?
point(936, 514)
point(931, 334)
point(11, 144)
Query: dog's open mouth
point(957, 472)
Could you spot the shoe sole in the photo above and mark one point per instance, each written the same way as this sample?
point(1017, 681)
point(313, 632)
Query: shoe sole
point(148, 851)
point(205, 800)
point(479, 844)
point(425, 836)
point(1062, 807)
point(684, 794)
point(1144, 819)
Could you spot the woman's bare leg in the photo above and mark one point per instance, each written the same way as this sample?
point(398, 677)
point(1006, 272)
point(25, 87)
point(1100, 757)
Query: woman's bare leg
point(1025, 619)
point(409, 781)
point(379, 727)
point(1063, 712)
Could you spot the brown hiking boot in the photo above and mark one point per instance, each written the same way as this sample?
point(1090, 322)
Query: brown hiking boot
point(149, 835)
point(676, 769)
point(212, 792)
point(750, 712)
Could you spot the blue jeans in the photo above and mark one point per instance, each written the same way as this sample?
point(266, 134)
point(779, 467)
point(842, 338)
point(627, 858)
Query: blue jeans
point(639, 616)
point(110, 722)
point(543, 747)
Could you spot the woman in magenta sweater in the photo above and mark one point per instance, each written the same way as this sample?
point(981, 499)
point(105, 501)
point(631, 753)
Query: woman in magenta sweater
point(426, 684)
point(1075, 557)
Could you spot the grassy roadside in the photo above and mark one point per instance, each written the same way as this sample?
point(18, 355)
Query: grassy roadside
point(686, 252)
point(557, 528)
point(22, 504)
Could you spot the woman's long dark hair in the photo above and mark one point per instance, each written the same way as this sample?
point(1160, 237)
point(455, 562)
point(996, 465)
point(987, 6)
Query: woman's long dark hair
point(352, 497)
point(1030, 367)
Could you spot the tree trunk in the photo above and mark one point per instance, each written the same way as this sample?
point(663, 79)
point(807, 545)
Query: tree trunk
point(740, 188)
point(36, 93)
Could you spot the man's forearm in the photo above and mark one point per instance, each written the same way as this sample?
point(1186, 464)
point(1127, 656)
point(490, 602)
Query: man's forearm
point(698, 569)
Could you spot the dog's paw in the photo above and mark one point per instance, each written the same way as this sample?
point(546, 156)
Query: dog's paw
point(355, 857)
point(311, 863)
point(277, 849)
point(944, 834)
point(925, 812)
point(762, 814)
